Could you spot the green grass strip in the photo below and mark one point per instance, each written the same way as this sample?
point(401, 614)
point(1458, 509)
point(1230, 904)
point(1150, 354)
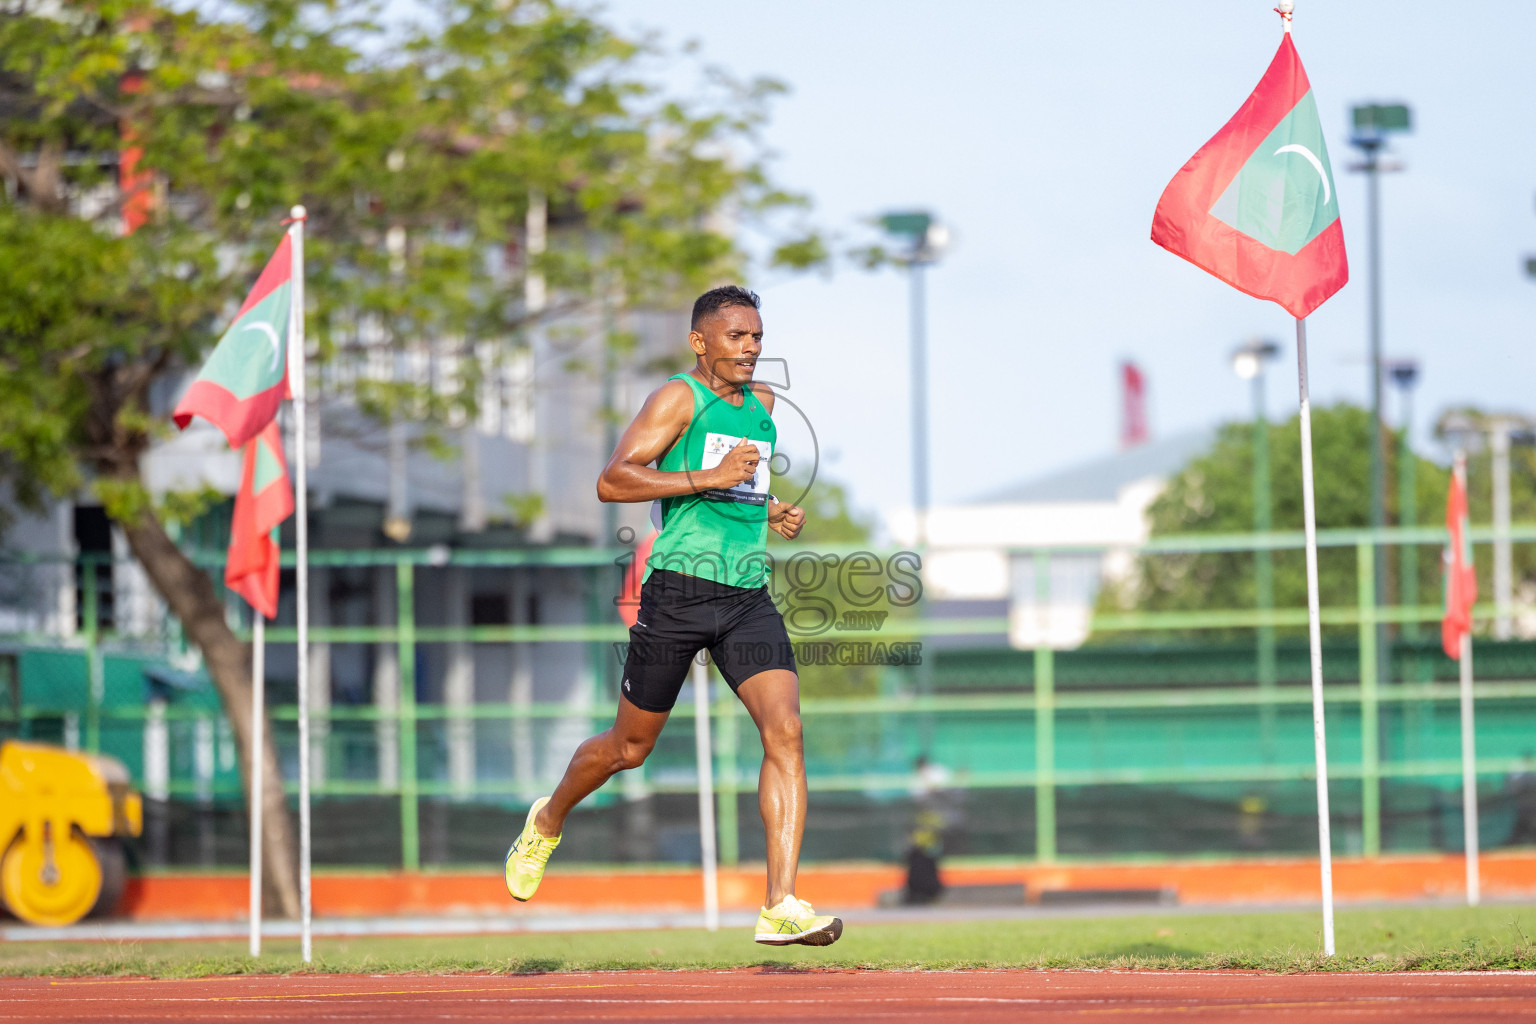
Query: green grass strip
point(1386, 939)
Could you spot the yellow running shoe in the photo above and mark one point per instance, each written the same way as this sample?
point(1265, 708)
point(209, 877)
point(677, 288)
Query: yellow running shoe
point(528, 856)
point(793, 922)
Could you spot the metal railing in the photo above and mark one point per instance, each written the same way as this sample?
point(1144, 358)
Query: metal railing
point(1041, 721)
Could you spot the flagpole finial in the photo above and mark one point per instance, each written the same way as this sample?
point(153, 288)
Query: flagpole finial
point(299, 213)
point(1284, 10)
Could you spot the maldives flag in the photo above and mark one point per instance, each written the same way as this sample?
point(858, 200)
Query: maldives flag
point(264, 500)
point(1257, 205)
point(243, 382)
point(1460, 574)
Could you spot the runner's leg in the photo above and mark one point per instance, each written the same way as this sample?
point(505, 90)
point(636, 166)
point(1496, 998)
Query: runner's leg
point(772, 698)
point(626, 745)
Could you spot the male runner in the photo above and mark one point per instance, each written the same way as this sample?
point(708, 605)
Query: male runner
point(706, 587)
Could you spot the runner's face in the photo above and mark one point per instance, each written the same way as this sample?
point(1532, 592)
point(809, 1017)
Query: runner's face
point(729, 342)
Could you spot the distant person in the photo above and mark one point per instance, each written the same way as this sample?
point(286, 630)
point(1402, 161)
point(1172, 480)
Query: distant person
point(924, 848)
point(708, 432)
point(1251, 811)
point(936, 813)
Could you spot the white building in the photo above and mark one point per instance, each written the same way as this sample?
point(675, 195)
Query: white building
point(1038, 552)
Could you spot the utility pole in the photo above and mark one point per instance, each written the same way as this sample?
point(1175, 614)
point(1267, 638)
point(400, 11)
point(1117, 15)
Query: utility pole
point(1499, 430)
point(1373, 123)
point(1405, 374)
point(534, 426)
point(926, 240)
point(612, 300)
point(397, 511)
point(1248, 363)
point(1530, 267)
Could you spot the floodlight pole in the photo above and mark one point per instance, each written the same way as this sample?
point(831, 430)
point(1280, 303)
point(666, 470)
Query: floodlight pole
point(1264, 562)
point(1499, 428)
point(1371, 146)
point(919, 314)
point(1405, 374)
point(927, 239)
point(1248, 362)
point(1373, 122)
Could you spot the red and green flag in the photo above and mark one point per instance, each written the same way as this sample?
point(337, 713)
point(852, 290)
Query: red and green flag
point(634, 575)
point(264, 500)
point(1460, 573)
point(244, 380)
point(1257, 206)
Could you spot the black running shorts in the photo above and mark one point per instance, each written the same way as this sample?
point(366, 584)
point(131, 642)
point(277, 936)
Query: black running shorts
point(681, 615)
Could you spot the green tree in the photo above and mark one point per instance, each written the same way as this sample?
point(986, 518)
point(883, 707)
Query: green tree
point(1214, 494)
point(830, 517)
point(418, 152)
point(816, 583)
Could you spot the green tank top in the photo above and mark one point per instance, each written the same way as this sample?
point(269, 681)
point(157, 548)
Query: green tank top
point(719, 535)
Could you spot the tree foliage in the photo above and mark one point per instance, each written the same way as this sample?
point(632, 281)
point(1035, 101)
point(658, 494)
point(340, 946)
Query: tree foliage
point(1215, 494)
point(418, 150)
point(818, 582)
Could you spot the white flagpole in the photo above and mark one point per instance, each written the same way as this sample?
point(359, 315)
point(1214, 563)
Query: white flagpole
point(1314, 631)
point(301, 584)
point(1468, 741)
point(1469, 773)
point(258, 763)
point(704, 750)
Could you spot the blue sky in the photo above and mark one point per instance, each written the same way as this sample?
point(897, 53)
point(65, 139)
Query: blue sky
point(1044, 133)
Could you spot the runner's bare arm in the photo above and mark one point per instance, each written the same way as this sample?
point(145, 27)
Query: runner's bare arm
point(629, 475)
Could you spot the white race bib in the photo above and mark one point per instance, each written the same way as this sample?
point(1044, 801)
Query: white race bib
point(752, 492)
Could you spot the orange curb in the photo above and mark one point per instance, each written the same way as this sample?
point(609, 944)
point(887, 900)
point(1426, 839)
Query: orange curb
point(848, 886)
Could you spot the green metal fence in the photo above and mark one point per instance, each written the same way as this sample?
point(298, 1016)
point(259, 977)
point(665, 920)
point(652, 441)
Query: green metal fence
point(1069, 746)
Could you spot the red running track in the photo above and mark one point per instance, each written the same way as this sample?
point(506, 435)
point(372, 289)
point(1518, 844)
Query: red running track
point(779, 996)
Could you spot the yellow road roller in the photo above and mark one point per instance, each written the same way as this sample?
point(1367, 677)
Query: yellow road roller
point(62, 819)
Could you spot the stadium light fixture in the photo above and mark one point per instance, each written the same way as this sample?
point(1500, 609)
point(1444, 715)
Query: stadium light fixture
point(1248, 360)
point(927, 238)
point(1380, 119)
point(1404, 372)
point(1459, 430)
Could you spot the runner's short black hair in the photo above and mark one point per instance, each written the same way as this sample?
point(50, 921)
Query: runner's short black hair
point(724, 297)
